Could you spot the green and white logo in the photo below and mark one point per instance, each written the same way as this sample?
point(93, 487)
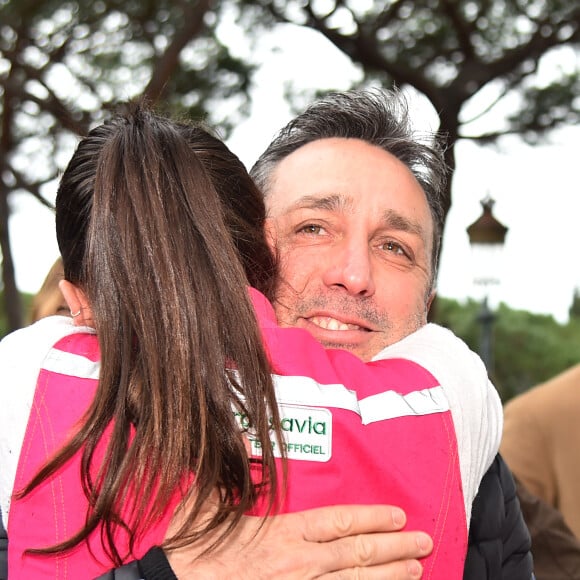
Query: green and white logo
point(307, 432)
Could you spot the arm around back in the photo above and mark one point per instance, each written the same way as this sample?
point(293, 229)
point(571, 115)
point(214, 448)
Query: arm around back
point(336, 541)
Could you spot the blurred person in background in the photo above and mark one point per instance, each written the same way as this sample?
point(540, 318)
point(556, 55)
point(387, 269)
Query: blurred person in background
point(555, 549)
point(541, 442)
point(49, 299)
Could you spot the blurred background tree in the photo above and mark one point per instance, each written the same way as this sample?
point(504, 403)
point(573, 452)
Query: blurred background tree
point(64, 63)
point(450, 51)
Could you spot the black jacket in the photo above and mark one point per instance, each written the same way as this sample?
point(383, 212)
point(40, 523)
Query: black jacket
point(499, 541)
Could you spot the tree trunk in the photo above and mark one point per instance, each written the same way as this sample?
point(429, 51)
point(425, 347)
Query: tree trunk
point(12, 299)
point(450, 128)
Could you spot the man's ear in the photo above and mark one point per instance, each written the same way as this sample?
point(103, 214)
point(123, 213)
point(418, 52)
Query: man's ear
point(78, 304)
point(270, 234)
point(428, 303)
point(430, 299)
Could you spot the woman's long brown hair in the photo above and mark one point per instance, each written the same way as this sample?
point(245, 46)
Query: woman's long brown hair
point(141, 230)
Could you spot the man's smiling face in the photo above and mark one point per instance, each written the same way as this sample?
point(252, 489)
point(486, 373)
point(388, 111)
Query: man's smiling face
point(354, 238)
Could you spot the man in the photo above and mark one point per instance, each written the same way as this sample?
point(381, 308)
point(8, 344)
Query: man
point(355, 219)
point(355, 216)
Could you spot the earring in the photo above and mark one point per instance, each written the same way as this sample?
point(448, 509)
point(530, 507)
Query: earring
point(75, 314)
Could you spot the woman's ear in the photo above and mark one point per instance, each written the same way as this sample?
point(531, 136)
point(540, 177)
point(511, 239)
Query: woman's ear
point(78, 304)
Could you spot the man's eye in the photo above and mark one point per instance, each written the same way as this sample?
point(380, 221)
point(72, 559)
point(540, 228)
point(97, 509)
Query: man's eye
point(394, 248)
point(311, 229)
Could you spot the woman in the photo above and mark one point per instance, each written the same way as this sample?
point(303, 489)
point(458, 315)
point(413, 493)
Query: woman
point(149, 266)
point(143, 282)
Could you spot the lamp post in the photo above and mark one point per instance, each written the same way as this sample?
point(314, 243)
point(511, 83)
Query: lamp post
point(486, 237)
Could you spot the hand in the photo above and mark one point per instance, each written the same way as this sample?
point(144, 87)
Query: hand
point(338, 542)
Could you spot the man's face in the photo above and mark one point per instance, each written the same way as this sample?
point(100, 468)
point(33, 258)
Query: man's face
point(354, 237)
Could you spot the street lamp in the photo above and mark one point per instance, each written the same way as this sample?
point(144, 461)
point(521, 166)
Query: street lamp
point(486, 237)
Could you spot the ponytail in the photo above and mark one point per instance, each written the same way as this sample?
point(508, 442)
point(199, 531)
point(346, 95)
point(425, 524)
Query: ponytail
point(141, 231)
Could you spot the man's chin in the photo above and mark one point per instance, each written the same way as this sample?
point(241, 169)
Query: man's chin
point(341, 345)
point(364, 351)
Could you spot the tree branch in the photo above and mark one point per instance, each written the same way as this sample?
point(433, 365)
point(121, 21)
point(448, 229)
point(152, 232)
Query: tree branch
point(461, 27)
point(193, 14)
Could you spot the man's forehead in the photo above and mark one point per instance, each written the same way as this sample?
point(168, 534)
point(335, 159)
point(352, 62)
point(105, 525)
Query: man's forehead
point(339, 173)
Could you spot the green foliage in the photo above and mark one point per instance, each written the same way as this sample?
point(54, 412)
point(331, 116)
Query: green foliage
point(65, 65)
point(546, 108)
point(574, 311)
point(527, 348)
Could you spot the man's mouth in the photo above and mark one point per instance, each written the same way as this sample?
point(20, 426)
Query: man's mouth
point(329, 323)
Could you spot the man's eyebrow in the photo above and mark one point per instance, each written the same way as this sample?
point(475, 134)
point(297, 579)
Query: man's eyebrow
point(332, 202)
point(394, 220)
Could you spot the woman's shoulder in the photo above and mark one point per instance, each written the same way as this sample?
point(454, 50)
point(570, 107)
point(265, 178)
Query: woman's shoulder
point(41, 334)
point(22, 353)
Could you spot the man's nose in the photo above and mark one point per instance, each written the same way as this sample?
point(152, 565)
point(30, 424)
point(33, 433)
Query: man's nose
point(349, 266)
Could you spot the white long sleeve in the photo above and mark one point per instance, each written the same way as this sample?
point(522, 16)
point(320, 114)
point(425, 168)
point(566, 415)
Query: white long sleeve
point(474, 402)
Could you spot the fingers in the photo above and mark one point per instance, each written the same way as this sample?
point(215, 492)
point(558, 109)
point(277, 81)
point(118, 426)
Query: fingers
point(405, 570)
point(362, 542)
point(375, 550)
point(333, 522)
